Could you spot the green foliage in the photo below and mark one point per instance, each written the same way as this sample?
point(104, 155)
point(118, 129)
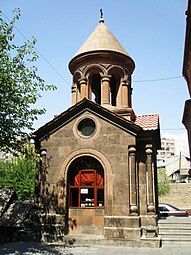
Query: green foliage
point(19, 173)
point(20, 86)
point(163, 183)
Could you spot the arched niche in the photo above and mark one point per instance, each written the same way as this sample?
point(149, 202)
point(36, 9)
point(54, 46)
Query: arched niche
point(93, 74)
point(85, 183)
point(76, 77)
point(117, 74)
point(95, 87)
point(108, 185)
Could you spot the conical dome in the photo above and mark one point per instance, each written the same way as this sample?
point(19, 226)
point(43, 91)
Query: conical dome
point(102, 72)
point(101, 39)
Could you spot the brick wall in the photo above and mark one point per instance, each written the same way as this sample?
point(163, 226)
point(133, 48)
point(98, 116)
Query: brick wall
point(180, 195)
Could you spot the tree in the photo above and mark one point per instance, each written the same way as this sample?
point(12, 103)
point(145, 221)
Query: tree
point(20, 87)
point(163, 183)
point(19, 173)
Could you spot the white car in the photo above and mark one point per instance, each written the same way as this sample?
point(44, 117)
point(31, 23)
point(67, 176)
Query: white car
point(166, 210)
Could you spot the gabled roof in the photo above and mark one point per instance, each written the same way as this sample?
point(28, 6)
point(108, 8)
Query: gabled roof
point(101, 38)
point(79, 108)
point(148, 122)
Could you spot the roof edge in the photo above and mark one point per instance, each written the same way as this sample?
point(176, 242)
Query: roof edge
point(60, 119)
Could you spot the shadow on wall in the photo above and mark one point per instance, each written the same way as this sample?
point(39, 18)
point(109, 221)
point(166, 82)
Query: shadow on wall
point(71, 224)
point(52, 199)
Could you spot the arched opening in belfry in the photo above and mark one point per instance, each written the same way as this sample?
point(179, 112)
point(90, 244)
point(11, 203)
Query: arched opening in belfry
point(114, 89)
point(78, 91)
point(95, 85)
point(76, 79)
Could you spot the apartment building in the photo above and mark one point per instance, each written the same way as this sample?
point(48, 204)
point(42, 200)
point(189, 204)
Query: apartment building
point(167, 148)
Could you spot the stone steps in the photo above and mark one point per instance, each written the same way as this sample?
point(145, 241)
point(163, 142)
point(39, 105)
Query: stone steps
point(175, 231)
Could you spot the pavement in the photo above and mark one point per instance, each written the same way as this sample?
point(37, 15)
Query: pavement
point(34, 248)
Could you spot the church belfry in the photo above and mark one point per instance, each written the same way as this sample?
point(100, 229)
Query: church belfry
point(102, 72)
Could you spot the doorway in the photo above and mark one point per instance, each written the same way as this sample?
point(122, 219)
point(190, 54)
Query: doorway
point(85, 196)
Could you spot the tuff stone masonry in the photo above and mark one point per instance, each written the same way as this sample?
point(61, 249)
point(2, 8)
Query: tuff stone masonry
point(187, 74)
point(97, 173)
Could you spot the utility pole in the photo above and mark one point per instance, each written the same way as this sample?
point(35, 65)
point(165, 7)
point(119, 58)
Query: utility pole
point(180, 163)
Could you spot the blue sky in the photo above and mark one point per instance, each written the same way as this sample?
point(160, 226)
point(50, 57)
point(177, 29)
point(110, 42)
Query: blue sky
point(152, 32)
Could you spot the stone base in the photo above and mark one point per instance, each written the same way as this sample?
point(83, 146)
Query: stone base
point(122, 233)
point(118, 230)
point(126, 112)
point(149, 228)
point(86, 221)
point(155, 242)
point(122, 227)
point(148, 220)
point(52, 228)
point(101, 240)
point(135, 231)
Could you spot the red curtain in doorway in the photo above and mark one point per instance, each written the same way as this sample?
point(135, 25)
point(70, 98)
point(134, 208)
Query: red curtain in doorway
point(88, 178)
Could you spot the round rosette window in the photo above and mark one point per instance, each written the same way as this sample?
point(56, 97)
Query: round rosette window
point(86, 127)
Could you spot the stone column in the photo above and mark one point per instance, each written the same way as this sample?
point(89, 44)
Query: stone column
point(105, 89)
point(38, 182)
point(142, 180)
point(74, 94)
point(83, 88)
point(130, 95)
point(43, 181)
point(133, 186)
point(150, 195)
point(125, 93)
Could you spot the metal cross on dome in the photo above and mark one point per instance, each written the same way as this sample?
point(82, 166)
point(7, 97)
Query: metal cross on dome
point(101, 16)
point(101, 13)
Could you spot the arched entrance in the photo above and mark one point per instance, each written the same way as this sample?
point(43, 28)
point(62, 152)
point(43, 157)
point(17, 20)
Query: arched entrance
point(85, 196)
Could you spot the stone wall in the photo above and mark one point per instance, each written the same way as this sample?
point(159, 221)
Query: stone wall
point(114, 147)
point(180, 195)
point(109, 141)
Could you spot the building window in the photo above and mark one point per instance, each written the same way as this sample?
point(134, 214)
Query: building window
point(87, 189)
point(86, 183)
point(86, 127)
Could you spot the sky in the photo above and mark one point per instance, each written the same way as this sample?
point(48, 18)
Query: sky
point(152, 32)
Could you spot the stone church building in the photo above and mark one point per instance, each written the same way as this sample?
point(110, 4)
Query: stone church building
point(97, 173)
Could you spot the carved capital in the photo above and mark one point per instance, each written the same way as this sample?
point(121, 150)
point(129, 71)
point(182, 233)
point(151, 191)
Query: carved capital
point(83, 81)
point(125, 82)
point(73, 88)
point(132, 150)
point(105, 78)
point(149, 149)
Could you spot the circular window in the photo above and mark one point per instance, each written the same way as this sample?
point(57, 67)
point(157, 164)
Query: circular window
point(86, 127)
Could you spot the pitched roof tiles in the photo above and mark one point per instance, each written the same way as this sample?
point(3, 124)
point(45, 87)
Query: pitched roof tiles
point(148, 122)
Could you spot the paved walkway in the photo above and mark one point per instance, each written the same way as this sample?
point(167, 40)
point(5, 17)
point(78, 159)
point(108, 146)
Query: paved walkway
point(31, 248)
